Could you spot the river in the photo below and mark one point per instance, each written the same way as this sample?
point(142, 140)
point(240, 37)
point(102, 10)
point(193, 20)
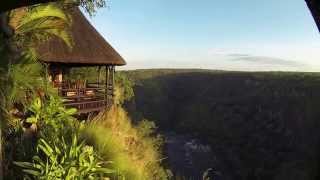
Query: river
point(189, 157)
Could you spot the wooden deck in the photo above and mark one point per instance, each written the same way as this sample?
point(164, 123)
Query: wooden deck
point(91, 98)
point(87, 106)
point(85, 96)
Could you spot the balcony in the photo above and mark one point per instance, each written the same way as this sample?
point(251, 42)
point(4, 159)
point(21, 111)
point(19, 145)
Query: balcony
point(85, 97)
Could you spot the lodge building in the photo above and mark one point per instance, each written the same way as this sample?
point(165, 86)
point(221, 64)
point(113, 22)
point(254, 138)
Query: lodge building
point(89, 49)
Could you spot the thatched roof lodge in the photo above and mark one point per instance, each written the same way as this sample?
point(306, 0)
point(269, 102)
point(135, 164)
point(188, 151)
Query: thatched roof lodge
point(89, 49)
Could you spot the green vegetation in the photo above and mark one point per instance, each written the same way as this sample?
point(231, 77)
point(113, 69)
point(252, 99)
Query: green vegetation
point(124, 88)
point(42, 139)
point(65, 161)
point(131, 149)
point(17, 63)
point(18, 58)
point(261, 125)
point(110, 146)
point(57, 153)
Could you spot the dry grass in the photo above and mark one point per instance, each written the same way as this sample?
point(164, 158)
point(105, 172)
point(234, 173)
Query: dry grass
point(132, 149)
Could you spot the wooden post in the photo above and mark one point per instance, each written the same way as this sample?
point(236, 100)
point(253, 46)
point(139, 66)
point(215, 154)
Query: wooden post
point(113, 74)
point(106, 87)
point(99, 74)
point(62, 70)
point(113, 84)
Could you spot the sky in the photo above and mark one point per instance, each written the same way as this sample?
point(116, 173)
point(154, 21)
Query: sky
point(243, 35)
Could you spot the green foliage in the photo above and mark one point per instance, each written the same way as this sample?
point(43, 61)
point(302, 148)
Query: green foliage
point(20, 84)
point(19, 87)
point(22, 76)
point(89, 73)
point(53, 119)
point(124, 88)
point(70, 161)
point(48, 120)
point(59, 153)
point(24, 82)
point(146, 128)
point(91, 6)
point(263, 125)
point(40, 23)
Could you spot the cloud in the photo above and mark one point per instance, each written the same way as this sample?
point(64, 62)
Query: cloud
point(264, 60)
point(238, 55)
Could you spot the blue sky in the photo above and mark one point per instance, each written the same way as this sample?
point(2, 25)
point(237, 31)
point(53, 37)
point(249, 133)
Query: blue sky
point(254, 35)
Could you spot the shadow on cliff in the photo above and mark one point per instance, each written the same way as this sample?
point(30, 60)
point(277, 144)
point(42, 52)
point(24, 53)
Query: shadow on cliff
point(260, 125)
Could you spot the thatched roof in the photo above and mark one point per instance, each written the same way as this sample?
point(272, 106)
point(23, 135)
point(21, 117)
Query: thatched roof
point(90, 48)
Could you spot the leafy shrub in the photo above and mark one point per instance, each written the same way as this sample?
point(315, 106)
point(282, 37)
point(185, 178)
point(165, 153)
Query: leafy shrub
point(53, 119)
point(65, 161)
point(59, 154)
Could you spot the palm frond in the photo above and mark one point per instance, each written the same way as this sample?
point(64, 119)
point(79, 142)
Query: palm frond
point(41, 23)
point(42, 13)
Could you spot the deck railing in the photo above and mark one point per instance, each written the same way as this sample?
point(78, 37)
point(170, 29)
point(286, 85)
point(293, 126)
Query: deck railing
point(87, 97)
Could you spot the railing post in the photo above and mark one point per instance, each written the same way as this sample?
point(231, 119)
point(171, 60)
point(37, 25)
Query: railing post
point(99, 74)
point(113, 83)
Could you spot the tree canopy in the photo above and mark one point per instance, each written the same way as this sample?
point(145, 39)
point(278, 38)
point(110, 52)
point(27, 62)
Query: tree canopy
point(89, 5)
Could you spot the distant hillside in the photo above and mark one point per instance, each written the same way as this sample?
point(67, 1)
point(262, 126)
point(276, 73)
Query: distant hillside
point(262, 125)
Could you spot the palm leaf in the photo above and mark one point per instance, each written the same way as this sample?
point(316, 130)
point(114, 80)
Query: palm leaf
point(23, 164)
point(41, 23)
point(31, 172)
point(41, 13)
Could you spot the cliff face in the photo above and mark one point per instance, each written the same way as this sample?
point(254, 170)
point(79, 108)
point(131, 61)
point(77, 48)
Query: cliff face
point(260, 125)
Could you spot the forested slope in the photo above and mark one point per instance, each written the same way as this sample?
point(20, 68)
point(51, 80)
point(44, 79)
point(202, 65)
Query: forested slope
point(260, 125)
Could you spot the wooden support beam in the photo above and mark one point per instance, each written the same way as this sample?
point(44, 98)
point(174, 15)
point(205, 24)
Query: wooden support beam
point(113, 74)
point(106, 85)
point(112, 69)
point(99, 75)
